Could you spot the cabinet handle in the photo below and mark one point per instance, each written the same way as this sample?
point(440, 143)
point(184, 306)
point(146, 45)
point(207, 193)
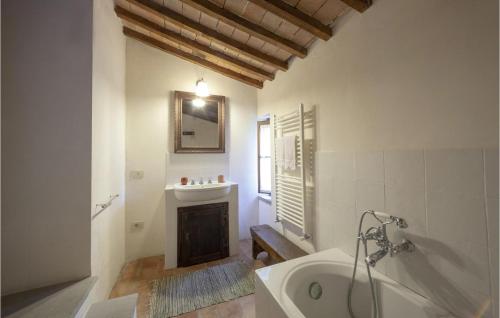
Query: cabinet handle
point(187, 236)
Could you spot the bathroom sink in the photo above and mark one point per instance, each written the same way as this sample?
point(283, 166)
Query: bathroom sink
point(201, 192)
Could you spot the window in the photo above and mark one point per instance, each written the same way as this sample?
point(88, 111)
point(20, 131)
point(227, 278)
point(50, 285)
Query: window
point(264, 156)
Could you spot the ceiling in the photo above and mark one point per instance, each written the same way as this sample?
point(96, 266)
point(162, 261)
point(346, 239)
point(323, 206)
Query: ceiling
point(247, 40)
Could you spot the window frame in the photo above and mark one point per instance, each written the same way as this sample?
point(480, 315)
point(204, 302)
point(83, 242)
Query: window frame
point(259, 124)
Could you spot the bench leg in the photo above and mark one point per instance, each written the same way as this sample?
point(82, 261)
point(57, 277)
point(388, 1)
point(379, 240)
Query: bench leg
point(256, 249)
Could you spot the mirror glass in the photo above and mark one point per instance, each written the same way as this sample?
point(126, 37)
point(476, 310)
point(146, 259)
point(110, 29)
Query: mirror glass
point(199, 123)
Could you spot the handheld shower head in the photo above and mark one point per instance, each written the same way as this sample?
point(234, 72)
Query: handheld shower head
point(380, 216)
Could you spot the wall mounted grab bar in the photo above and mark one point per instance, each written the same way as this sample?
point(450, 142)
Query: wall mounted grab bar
point(105, 205)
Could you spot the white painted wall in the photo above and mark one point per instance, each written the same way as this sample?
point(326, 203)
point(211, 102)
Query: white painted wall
point(46, 142)
point(108, 147)
point(152, 77)
point(407, 106)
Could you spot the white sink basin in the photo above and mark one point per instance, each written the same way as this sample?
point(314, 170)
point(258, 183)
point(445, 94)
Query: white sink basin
point(201, 192)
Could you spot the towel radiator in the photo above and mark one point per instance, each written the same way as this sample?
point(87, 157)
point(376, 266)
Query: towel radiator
point(290, 186)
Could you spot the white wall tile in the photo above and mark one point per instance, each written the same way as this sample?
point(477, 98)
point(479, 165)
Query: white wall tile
point(324, 220)
point(491, 182)
point(345, 227)
point(324, 236)
point(492, 208)
point(456, 227)
point(369, 193)
point(370, 189)
point(405, 197)
point(405, 188)
point(370, 166)
point(324, 178)
point(441, 194)
point(465, 270)
point(455, 196)
point(343, 176)
point(491, 171)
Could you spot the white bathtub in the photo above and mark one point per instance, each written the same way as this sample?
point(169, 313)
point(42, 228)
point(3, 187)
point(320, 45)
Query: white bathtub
point(283, 290)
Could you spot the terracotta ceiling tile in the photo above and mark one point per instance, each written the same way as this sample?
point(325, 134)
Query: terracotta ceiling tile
point(310, 6)
point(269, 49)
point(145, 14)
point(191, 13)
point(208, 21)
point(225, 29)
point(235, 6)
point(255, 42)
point(253, 13)
point(287, 30)
point(271, 21)
point(240, 36)
point(330, 10)
point(175, 5)
point(302, 37)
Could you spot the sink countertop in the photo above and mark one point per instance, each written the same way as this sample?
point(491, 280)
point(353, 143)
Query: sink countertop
point(170, 187)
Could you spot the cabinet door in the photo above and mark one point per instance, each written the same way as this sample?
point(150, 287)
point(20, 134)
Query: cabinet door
point(203, 233)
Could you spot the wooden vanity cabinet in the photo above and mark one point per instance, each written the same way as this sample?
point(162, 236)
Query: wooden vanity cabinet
point(202, 233)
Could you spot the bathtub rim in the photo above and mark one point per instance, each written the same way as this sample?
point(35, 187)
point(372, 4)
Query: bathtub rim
point(274, 278)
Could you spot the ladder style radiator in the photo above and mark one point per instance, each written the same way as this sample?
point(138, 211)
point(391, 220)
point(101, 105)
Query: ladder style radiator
point(290, 186)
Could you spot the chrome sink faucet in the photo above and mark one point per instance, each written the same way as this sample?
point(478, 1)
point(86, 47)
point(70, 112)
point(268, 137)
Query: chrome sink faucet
point(379, 235)
point(201, 180)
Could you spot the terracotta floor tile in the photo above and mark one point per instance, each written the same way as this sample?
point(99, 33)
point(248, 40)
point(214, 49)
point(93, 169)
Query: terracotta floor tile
point(125, 287)
point(136, 277)
point(248, 306)
point(192, 314)
point(230, 309)
point(130, 270)
point(207, 312)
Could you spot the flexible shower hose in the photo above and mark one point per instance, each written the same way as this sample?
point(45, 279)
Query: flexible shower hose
point(351, 285)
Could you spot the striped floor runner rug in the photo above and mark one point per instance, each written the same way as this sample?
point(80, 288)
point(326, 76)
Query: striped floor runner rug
point(178, 294)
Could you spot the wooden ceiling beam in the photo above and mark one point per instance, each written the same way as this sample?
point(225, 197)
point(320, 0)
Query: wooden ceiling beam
point(296, 17)
point(192, 44)
point(358, 5)
point(251, 28)
point(191, 58)
point(198, 28)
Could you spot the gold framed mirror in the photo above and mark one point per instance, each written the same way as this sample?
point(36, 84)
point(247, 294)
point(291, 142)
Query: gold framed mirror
point(199, 123)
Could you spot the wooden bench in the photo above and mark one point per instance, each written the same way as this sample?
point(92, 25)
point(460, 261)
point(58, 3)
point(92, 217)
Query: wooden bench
point(265, 238)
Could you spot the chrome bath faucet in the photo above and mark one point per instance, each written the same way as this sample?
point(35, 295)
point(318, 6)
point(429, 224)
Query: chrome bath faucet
point(379, 235)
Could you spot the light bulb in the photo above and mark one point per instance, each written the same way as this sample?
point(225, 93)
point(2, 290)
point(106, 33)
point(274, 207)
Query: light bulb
point(201, 88)
point(198, 102)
